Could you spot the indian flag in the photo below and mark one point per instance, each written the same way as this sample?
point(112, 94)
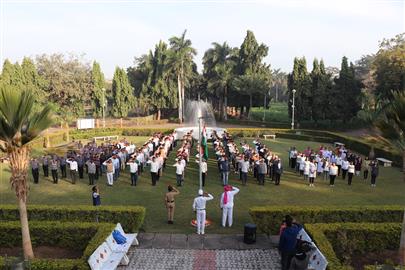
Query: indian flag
point(204, 146)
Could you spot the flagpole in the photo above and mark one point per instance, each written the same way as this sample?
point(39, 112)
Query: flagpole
point(199, 150)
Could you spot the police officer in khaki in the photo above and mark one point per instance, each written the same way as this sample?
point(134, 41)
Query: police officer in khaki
point(169, 202)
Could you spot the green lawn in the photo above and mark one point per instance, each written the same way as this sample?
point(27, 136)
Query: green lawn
point(292, 191)
point(278, 112)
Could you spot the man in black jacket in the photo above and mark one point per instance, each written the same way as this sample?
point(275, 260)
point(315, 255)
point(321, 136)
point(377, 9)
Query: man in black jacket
point(278, 170)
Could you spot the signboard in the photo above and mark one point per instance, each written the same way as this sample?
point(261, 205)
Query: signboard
point(85, 123)
point(317, 260)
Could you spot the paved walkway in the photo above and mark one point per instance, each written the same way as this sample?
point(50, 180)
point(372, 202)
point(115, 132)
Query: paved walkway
point(207, 252)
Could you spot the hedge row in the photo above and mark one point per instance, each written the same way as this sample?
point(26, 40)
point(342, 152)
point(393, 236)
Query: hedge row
point(88, 134)
point(85, 237)
point(258, 123)
point(252, 132)
point(302, 137)
point(269, 218)
point(131, 217)
point(340, 240)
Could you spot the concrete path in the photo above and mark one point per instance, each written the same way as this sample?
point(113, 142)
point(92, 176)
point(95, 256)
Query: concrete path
point(198, 252)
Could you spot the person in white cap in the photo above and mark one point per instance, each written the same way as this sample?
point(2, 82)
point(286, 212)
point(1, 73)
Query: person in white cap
point(199, 208)
point(226, 204)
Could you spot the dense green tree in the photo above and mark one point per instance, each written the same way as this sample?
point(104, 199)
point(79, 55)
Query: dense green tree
point(123, 99)
point(181, 63)
point(98, 95)
point(364, 71)
point(158, 89)
point(321, 86)
point(251, 55)
point(279, 88)
point(32, 81)
point(7, 74)
point(68, 82)
point(390, 68)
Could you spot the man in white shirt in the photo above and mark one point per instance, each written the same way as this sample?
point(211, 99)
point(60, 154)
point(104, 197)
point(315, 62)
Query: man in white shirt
point(226, 204)
point(133, 169)
point(345, 167)
point(179, 172)
point(199, 207)
point(244, 168)
point(73, 169)
point(154, 169)
point(204, 170)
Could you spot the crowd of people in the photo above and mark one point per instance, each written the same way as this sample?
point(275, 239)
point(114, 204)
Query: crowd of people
point(329, 163)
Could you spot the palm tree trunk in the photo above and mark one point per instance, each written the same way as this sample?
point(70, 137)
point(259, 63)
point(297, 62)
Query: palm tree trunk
point(403, 163)
point(180, 99)
point(225, 103)
point(19, 158)
point(158, 114)
point(25, 231)
point(402, 243)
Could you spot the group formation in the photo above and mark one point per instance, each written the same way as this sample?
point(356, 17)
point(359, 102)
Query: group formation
point(258, 159)
point(329, 163)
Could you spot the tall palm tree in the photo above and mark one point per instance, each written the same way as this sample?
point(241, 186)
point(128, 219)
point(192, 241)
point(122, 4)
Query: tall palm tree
point(18, 127)
point(181, 62)
point(392, 126)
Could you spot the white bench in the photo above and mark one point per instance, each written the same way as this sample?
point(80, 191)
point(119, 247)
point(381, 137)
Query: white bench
point(273, 136)
point(111, 254)
point(386, 162)
point(106, 138)
point(338, 144)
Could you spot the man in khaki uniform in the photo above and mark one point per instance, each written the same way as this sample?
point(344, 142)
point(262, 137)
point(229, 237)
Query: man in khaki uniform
point(169, 202)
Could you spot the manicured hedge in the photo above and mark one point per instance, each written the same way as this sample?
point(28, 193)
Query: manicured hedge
point(258, 123)
point(269, 218)
point(85, 237)
point(131, 217)
point(302, 137)
point(338, 241)
point(88, 134)
point(252, 132)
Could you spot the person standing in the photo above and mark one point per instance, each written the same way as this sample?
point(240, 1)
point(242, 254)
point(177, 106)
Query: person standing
point(288, 242)
point(333, 171)
point(225, 168)
point(96, 196)
point(278, 170)
point(35, 170)
point(169, 202)
point(350, 171)
point(110, 172)
point(244, 169)
point(80, 165)
point(91, 171)
point(199, 205)
point(307, 165)
point(62, 164)
point(179, 172)
point(204, 170)
point(73, 169)
point(45, 166)
point(374, 172)
point(312, 173)
point(261, 171)
point(154, 170)
point(54, 170)
point(345, 167)
point(226, 204)
point(366, 165)
point(133, 170)
point(325, 166)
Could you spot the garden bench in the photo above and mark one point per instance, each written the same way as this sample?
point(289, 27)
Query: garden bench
point(110, 254)
point(273, 136)
point(386, 162)
point(106, 138)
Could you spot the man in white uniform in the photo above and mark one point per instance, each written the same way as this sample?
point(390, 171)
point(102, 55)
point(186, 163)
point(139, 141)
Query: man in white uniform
point(226, 204)
point(199, 207)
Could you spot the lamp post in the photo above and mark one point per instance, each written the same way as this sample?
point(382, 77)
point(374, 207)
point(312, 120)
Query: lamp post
point(293, 107)
point(103, 106)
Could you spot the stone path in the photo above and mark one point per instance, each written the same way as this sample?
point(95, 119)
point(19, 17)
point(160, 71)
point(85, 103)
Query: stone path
point(208, 252)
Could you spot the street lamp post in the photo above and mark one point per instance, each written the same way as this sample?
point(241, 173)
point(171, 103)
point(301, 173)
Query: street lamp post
point(103, 106)
point(293, 107)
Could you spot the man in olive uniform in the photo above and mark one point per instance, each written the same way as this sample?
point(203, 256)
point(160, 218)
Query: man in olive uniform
point(169, 202)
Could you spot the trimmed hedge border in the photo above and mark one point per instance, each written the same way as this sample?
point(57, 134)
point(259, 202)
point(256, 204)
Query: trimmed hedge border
point(269, 218)
point(336, 238)
point(76, 235)
point(131, 217)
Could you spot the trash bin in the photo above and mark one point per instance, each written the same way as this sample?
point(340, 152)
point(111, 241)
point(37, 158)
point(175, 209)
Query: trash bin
point(250, 233)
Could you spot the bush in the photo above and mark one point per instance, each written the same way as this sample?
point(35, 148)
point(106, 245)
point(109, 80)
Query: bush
point(85, 237)
point(301, 137)
point(252, 132)
point(89, 134)
point(131, 217)
point(269, 218)
point(258, 123)
point(339, 241)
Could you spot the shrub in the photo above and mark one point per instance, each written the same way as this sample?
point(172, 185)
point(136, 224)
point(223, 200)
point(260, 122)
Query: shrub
point(85, 237)
point(88, 134)
point(131, 217)
point(340, 240)
point(301, 137)
point(269, 218)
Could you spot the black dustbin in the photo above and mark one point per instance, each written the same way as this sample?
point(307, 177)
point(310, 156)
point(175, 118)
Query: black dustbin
point(250, 233)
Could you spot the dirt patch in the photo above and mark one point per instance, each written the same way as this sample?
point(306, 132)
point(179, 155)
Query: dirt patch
point(358, 261)
point(43, 252)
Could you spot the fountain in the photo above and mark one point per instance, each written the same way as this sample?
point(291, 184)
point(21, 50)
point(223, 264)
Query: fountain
point(193, 110)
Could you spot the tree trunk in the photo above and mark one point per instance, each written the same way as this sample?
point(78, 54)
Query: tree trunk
point(250, 106)
point(19, 157)
point(241, 112)
point(180, 100)
point(403, 165)
point(225, 103)
point(158, 114)
point(25, 231)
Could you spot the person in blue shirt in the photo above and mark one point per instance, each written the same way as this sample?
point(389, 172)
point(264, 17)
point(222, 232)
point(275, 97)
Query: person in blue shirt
point(288, 242)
